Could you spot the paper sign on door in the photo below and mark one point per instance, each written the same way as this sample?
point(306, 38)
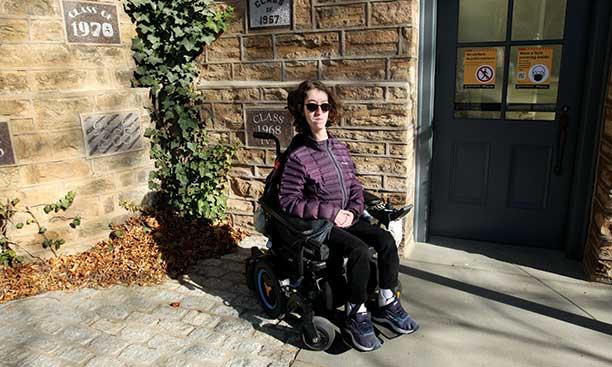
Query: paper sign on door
point(533, 67)
point(479, 66)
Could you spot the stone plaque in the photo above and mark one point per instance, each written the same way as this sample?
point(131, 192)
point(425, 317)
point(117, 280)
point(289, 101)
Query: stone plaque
point(277, 122)
point(7, 157)
point(114, 132)
point(88, 22)
point(270, 13)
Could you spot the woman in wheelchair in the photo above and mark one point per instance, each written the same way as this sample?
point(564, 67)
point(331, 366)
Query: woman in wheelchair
point(319, 182)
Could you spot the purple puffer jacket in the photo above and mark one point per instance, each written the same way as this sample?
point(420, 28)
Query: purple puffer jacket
point(319, 179)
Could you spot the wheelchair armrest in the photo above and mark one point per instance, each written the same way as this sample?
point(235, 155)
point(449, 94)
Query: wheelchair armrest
point(318, 251)
point(308, 229)
point(370, 199)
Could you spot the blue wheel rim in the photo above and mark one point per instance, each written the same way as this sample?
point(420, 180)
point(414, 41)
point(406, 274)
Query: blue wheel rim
point(260, 291)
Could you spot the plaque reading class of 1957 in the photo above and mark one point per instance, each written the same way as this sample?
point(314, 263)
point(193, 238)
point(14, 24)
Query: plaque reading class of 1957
point(270, 13)
point(6, 148)
point(88, 22)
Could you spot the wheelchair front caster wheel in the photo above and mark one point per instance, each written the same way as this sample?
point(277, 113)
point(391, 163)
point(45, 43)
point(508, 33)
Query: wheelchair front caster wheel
point(325, 337)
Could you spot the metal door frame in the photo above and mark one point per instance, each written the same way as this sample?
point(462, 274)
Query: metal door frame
point(599, 56)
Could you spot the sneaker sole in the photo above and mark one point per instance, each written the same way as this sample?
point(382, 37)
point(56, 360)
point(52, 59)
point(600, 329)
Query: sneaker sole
point(393, 327)
point(359, 346)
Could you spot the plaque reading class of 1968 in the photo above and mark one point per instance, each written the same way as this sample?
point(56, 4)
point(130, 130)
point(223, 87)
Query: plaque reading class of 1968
point(277, 122)
point(6, 148)
point(88, 22)
point(109, 133)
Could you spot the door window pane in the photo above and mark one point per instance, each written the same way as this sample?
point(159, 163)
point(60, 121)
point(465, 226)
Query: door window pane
point(533, 82)
point(482, 20)
point(478, 85)
point(538, 19)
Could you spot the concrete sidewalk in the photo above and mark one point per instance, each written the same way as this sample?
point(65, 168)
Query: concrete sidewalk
point(478, 305)
point(482, 304)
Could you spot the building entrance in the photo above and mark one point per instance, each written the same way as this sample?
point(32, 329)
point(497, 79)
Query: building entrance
point(509, 79)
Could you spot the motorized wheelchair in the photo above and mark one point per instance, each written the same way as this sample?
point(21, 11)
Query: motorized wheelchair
point(292, 275)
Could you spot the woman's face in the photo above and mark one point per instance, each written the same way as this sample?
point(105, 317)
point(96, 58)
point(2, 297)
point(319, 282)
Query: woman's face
point(316, 119)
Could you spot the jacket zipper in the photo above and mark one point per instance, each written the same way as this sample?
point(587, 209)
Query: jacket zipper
point(339, 173)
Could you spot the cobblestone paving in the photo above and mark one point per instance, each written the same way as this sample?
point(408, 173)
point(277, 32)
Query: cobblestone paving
point(218, 323)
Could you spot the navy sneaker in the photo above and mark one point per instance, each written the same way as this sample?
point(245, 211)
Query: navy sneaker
point(394, 316)
point(358, 326)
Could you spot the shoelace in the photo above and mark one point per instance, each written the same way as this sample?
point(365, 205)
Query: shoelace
point(397, 311)
point(363, 323)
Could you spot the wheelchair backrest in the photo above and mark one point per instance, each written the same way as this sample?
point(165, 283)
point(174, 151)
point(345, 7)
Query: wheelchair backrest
point(272, 185)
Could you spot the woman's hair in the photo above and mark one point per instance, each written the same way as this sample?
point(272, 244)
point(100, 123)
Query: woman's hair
point(295, 104)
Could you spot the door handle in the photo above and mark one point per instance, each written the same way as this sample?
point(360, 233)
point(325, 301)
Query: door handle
point(561, 139)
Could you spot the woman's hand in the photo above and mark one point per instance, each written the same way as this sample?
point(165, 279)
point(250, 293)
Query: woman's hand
point(344, 218)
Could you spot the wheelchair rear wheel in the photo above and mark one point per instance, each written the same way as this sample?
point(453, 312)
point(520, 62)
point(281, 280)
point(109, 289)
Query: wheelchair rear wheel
point(269, 292)
point(326, 336)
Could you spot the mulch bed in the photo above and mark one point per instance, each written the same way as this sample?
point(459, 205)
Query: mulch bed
point(144, 251)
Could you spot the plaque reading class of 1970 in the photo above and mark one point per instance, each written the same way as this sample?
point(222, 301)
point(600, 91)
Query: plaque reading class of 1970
point(6, 148)
point(88, 22)
point(109, 133)
point(277, 122)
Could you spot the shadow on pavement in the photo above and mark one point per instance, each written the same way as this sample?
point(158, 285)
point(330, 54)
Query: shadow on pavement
point(224, 278)
point(548, 260)
point(509, 300)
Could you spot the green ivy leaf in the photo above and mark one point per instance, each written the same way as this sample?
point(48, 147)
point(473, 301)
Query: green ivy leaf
point(171, 35)
point(58, 243)
point(75, 222)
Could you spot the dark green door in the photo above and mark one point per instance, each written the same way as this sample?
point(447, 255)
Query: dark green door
point(508, 96)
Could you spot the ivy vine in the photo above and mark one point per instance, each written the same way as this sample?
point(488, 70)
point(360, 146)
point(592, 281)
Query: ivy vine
point(8, 210)
point(190, 173)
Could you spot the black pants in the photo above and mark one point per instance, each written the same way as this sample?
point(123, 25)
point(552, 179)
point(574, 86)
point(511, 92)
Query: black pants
point(353, 242)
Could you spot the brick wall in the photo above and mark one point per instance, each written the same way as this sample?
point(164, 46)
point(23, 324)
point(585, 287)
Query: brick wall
point(598, 249)
point(365, 50)
point(45, 84)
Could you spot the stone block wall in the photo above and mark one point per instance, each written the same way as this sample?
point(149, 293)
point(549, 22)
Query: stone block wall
point(45, 84)
point(365, 50)
point(598, 249)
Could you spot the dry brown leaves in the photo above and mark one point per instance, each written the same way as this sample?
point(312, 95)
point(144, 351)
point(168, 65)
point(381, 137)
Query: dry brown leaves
point(143, 251)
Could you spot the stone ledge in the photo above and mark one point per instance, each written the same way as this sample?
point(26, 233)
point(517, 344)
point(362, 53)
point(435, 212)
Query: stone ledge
point(292, 84)
point(70, 93)
point(265, 32)
point(330, 59)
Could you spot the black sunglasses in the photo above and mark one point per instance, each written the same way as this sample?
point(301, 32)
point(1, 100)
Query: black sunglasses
point(312, 107)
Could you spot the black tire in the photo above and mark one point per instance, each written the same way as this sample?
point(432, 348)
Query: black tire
point(268, 290)
point(249, 273)
point(326, 332)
